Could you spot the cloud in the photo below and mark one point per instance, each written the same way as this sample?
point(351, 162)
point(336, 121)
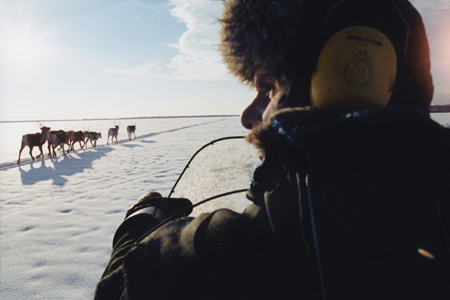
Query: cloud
point(199, 57)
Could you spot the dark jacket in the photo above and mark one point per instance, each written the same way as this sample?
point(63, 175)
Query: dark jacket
point(352, 207)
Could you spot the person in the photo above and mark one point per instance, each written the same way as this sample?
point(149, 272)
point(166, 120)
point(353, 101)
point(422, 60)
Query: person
point(352, 198)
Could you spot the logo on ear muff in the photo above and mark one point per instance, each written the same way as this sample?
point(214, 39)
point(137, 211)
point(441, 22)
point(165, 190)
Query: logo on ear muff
point(356, 70)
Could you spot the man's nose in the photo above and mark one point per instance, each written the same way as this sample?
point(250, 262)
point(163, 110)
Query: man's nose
point(252, 115)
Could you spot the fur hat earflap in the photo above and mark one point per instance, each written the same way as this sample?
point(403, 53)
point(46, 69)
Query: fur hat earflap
point(258, 33)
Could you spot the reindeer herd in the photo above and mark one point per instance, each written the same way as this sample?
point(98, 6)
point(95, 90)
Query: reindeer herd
point(59, 138)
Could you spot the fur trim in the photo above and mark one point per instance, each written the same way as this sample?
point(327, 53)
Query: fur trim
point(258, 33)
point(262, 136)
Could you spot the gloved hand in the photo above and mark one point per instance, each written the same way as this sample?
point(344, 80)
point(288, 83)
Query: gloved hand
point(161, 208)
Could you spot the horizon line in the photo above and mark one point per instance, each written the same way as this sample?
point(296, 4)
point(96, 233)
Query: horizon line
point(121, 118)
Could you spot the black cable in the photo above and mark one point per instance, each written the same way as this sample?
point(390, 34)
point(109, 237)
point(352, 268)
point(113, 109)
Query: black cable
point(195, 154)
point(180, 212)
point(315, 237)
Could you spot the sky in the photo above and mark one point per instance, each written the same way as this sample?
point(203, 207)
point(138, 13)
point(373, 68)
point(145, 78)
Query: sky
point(77, 59)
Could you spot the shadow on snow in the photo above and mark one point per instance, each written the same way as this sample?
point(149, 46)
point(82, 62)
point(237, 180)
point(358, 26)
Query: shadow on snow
point(176, 129)
point(128, 145)
point(61, 167)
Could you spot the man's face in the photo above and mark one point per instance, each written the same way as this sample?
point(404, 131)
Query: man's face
point(269, 91)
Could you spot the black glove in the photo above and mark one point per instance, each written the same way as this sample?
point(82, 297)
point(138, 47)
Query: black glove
point(161, 208)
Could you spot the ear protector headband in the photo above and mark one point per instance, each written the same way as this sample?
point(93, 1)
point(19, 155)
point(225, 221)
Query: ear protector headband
point(356, 70)
point(361, 46)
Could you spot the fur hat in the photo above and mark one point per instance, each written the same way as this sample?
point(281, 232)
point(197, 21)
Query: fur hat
point(258, 33)
point(279, 33)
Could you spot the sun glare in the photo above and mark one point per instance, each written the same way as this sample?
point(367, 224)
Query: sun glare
point(23, 49)
point(26, 49)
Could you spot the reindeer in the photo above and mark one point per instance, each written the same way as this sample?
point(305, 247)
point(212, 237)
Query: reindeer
point(59, 138)
point(49, 141)
point(113, 133)
point(34, 139)
point(93, 136)
point(131, 130)
point(76, 136)
point(87, 137)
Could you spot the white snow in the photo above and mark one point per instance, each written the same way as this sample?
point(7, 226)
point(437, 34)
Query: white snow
point(58, 216)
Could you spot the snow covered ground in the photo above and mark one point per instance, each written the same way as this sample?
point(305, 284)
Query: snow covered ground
point(58, 216)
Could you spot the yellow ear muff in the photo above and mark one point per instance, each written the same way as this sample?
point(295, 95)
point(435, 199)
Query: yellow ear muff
point(356, 70)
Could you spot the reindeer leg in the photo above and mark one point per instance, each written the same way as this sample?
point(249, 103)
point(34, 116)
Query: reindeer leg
point(42, 153)
point(31, 152)
point(54, 150)
point(20, 152)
